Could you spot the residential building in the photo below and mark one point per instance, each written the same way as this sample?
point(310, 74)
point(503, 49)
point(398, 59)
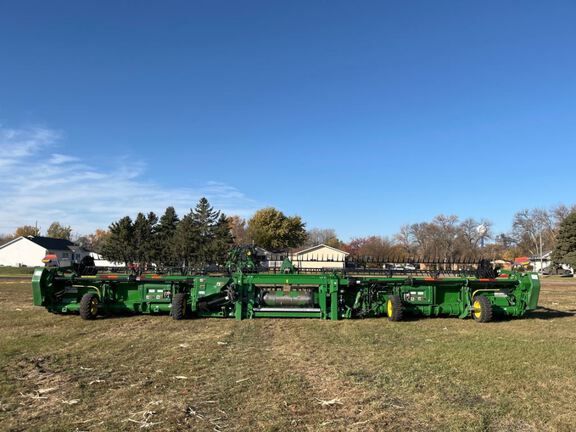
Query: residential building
point(29, 251)
point(319, 257)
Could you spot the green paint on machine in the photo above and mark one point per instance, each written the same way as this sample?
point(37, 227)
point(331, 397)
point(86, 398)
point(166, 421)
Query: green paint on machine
point(331, 295)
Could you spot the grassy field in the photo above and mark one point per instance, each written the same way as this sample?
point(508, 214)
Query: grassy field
point(59, 373)
point(15, 271)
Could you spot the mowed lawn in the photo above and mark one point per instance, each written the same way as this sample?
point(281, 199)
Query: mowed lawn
point(59, 373)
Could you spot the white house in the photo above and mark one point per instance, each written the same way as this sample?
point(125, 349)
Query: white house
point(319, 257)
point(29, 251)
point(539, 263)
point(543, 264)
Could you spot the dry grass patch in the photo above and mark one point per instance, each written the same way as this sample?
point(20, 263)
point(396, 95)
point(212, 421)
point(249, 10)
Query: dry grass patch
point(145, 372)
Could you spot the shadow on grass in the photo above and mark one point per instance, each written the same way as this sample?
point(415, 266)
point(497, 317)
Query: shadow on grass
point(547, 314)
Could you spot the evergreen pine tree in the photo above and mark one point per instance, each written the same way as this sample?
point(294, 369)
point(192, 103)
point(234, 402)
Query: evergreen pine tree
point(201, 237)
point(565, 251)
point(150, 250)
point(165, 252)
point(185, 243)
point(205, 219)
point(221, 242)
point(118, 246)
point(140, 238)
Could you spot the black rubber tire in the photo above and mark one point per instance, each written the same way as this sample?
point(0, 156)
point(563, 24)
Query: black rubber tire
point(486, 313)
point(394, 308)
point(89, 306)
point(179, 306)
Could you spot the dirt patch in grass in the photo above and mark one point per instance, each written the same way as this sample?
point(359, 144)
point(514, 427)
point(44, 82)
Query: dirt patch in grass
point(145, 372)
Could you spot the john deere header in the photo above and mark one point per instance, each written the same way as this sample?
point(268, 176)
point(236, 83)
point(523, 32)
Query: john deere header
point(243, 291)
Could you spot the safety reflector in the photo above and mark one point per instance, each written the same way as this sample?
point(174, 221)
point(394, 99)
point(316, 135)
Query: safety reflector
point(49, 258)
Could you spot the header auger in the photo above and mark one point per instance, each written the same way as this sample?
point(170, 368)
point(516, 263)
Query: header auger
point(244, 289)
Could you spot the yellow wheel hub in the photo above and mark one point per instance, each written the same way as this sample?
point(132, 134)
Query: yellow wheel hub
point(389, 307)
point(94, 306)
point(477, 309)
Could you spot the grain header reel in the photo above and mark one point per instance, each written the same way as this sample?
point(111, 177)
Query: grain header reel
point(245, 289)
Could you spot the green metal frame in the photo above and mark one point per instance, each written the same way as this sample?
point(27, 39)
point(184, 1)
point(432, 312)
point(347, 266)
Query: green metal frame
point(253, 295)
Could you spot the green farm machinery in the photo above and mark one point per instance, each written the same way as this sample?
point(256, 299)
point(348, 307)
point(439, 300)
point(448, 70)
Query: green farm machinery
point(243, 291)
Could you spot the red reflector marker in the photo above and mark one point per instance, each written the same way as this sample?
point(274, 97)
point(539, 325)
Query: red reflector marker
point(49, 258)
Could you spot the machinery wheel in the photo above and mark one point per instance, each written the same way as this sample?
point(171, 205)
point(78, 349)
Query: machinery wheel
point(394, 308)
point(179, 306)
point(482, 309)
point(89, 306)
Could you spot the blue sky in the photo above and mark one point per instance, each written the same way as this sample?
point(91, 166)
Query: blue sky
point(359, 115)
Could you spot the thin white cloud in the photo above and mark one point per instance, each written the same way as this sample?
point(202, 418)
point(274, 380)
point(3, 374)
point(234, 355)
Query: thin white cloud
point(65, 188)
point(58, 158)
point(18, 143)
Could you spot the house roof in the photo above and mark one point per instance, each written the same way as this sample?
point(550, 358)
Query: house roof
point(45, 242)
point(11, 241)
point(51, 243)
point(313, 248)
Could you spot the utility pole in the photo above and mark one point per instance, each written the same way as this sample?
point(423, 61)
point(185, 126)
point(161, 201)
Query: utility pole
point(541, 253)
point(539, 249)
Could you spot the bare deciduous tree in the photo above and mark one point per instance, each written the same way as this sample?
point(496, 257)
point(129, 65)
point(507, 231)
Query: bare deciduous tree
point(325, 236)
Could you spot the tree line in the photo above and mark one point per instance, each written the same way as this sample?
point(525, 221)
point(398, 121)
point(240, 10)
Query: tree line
point(204, 235)
point(200, 237)
point(533, 232)
point(55, 230)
